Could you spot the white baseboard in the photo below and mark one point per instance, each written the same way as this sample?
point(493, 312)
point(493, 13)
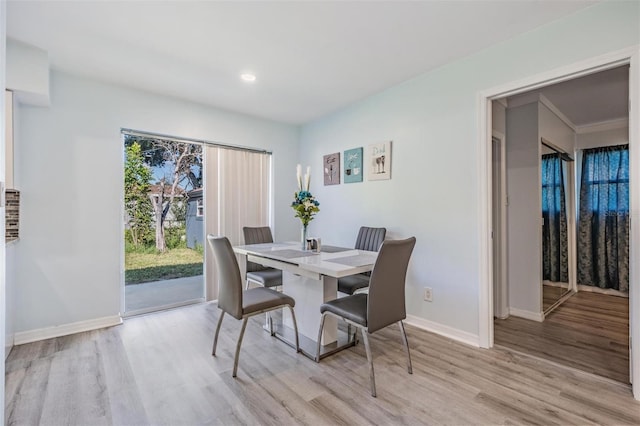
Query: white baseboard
point(23, 337)
point(443, 330)
point(533, 316)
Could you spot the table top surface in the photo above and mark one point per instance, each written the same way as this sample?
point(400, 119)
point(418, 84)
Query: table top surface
point(332, 261)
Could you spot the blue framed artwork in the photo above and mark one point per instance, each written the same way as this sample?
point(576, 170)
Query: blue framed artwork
point(353, 165)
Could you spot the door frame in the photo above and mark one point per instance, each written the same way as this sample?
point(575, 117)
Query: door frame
point(500, 285)
point(629, 56)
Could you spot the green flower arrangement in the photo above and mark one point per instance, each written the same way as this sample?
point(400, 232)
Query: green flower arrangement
point(304, 204)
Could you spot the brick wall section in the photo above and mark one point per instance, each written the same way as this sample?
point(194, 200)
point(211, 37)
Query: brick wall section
point(12, 214)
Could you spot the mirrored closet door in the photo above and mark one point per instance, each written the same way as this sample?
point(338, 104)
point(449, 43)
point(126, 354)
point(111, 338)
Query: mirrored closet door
point(556, 172)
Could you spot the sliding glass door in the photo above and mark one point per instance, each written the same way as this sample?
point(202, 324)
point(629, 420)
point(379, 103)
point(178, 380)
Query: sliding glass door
point(164, 236)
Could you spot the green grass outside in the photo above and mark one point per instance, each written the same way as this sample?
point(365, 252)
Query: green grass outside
point(175, 263)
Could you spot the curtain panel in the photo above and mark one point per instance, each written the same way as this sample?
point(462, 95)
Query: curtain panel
point(555, 264)
point(237, 185)
point(603, 220)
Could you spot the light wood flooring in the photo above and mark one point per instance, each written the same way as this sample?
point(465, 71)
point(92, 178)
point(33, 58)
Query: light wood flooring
point(589, 331)
point(157, 369)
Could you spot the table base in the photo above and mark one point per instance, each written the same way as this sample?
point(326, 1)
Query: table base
point(308, 347)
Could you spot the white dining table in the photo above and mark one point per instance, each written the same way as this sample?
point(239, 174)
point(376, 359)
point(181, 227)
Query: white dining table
point(311, 278)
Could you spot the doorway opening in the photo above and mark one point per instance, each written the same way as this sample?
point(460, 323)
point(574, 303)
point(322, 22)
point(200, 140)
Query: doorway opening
point(163, 223)
point(567, 280)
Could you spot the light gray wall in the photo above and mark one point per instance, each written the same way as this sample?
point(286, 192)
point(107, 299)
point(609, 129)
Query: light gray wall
point(526, 125)
point(11, 283)
point(3, 301)
point(524, 209)
point(10, 289)
point(556, 131)
point(433, 122)
point(69, 168)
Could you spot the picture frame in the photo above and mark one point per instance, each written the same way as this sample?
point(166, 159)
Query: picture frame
point(353, 165)
point(378, 161)
point(331, 169)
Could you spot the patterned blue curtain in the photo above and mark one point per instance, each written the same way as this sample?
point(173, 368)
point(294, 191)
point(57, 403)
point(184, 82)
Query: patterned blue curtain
point(603, 221)
point(555, 265)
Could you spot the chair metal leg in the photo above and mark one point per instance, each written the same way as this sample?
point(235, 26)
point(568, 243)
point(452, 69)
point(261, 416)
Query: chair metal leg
point(215, 338)
point(320, 336)
point(246, 287)
point(273, 333)
point(372, 378)
point(295, 328)
point(235, 360)
point(405, 343)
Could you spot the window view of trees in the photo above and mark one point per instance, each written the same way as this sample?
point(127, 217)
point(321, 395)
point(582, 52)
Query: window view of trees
point(160, 178)
point(138, 208)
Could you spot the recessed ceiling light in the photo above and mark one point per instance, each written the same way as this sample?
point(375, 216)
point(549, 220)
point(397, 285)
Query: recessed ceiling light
point(248, 77)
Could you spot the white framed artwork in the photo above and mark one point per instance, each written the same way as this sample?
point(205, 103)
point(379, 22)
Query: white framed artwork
point(378, 161)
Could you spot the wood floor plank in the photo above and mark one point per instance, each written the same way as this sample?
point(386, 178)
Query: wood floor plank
point(589, 331)
point(77, 376)
point(158, 370)
point(124, 398)
point(25, 392)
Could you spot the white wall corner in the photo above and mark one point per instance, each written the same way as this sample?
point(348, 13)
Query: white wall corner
point(533, 316)
point(523, 99)
point(28, 73)
point(603, 126)
point(546, 102)
point(502, 101)
point(8, 345)
point(23, 337)
point(444, 330)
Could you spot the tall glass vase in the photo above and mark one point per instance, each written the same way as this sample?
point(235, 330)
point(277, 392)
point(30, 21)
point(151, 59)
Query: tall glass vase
point(303, 236)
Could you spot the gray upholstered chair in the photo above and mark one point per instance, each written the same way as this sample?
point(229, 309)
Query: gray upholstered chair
point(368, 239)
point(383, 305)
point(256, 273)
point(238, 303)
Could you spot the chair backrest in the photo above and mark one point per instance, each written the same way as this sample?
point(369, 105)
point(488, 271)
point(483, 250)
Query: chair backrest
point(256, 235)
point(386, 302)
point(230, 282)
point(370, 238)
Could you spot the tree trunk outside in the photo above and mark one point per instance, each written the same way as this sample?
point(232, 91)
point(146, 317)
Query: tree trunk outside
point(161, 245)
point(159, 214)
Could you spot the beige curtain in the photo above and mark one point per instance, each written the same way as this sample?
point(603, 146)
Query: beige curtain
point(236, 195)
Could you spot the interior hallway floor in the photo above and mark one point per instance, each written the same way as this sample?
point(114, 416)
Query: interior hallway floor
point(589, 331)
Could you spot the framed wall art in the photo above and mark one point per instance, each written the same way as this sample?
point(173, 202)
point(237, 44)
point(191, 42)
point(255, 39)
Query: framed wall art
point(378, 161)
point(331, 168)
point(353, 165)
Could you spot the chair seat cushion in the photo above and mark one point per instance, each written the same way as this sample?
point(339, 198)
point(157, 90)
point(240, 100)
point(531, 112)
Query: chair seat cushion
point(261, 298)
point(353, 308)
point(351, 283)
point(267, 277)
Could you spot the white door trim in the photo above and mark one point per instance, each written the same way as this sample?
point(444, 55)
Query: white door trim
point(629, 56)
point(502, 310)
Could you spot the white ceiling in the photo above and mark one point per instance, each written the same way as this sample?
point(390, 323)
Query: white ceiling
point(311, 58)
point(595, 98)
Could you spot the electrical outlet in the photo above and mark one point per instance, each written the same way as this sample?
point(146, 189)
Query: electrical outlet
point(428, 294)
